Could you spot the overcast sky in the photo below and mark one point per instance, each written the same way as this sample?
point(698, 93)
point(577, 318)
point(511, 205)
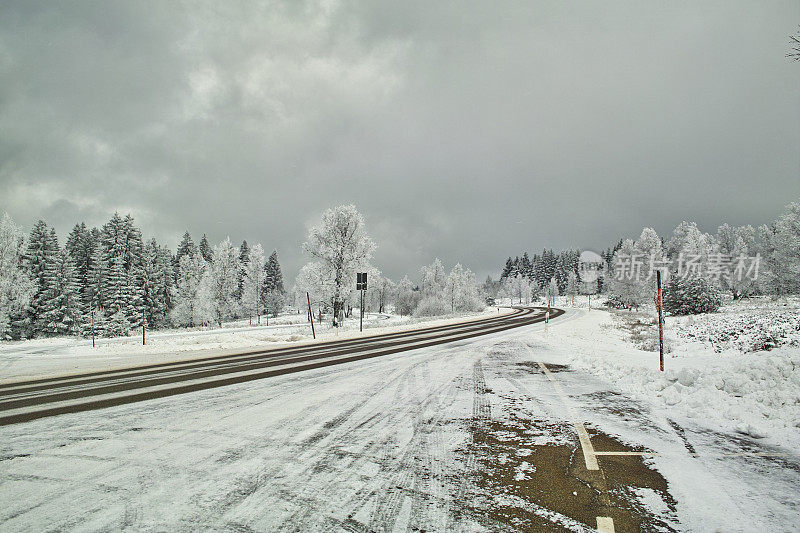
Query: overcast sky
point(465, 130)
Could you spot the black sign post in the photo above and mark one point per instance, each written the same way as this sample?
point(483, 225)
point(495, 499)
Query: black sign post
point(361, 285)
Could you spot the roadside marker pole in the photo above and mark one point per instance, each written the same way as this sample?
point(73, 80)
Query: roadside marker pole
point(660, 321)
point(142, 327)
point(311, 315)
point(92, 327)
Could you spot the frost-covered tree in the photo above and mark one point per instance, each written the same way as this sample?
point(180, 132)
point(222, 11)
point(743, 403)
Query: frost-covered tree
point(406, 297)
point(274, 302)
point(314, 280)
point(490, 289)
point(689, 241)
point(649, 247)
point(16, 286)
point(252, 282)
point(221, 281)
point(780, 249)
point(433, 279)
point(572, 286)
point(552, 290)
point(622, 284)
point(519, 287)
point(342, 247)
point(461, 290)
point(732, 243)
point(383, 288)
point(190, 305)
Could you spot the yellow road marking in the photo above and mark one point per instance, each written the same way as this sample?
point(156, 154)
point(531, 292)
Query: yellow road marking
point(586, 444)
point(605, 524)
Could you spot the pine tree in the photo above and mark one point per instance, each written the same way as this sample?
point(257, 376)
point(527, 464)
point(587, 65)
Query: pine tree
point(96, 278)
point(507, 268)
point(205, 249)
point(60, 313)
point(691, 296)
point(93, 320)
point(156, 283)
point(40, 256)
point(80, 245)
point(244, 259)
point(186, 247)
point(273, 277)
point(122, 288)
point(526, 268)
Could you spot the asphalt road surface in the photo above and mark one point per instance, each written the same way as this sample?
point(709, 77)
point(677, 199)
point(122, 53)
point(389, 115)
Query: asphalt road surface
point(22, 401)
point(441, 429)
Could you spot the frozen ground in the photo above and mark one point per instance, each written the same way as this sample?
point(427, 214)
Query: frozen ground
point(64, 355)
point(469, 436)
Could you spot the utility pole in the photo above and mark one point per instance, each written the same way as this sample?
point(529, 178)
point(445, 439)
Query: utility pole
point(660, 321)
point(311, 315)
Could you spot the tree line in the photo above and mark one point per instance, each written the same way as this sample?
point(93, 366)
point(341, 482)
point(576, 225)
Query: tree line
point(773, 251)
point(109, 280)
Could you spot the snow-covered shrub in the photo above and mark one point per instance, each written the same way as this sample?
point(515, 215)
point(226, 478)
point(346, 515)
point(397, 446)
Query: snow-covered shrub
point(745, 332)
point(614, 301)
point(691, 296)
point(431, 306)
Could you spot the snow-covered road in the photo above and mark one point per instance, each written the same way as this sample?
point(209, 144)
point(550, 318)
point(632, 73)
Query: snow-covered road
point(462, 437)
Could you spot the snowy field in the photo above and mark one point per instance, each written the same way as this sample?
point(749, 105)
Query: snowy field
point(459, 437)
point(66, 355)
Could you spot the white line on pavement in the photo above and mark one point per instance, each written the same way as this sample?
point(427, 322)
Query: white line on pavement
point(586, 444)
point(605, 524)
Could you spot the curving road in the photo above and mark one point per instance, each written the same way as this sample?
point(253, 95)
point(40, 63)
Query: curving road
point(28, 400)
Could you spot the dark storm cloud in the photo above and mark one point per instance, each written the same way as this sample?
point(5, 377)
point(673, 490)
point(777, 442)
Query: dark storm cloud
point(470, 130)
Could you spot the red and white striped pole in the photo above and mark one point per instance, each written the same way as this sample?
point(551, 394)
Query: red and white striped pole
point(660, 322)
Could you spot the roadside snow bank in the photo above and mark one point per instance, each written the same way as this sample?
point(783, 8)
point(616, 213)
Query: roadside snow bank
point(753, 393)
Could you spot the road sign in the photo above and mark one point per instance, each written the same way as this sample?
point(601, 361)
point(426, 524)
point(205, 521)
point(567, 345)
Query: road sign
point(361, 281)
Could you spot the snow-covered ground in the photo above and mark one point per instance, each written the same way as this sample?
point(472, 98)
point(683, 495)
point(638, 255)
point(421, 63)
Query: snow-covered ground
point(712, 375)
point(469, 436)
point(65, 355)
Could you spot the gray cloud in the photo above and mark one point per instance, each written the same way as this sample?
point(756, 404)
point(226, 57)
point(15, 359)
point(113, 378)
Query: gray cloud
point(470, 130)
